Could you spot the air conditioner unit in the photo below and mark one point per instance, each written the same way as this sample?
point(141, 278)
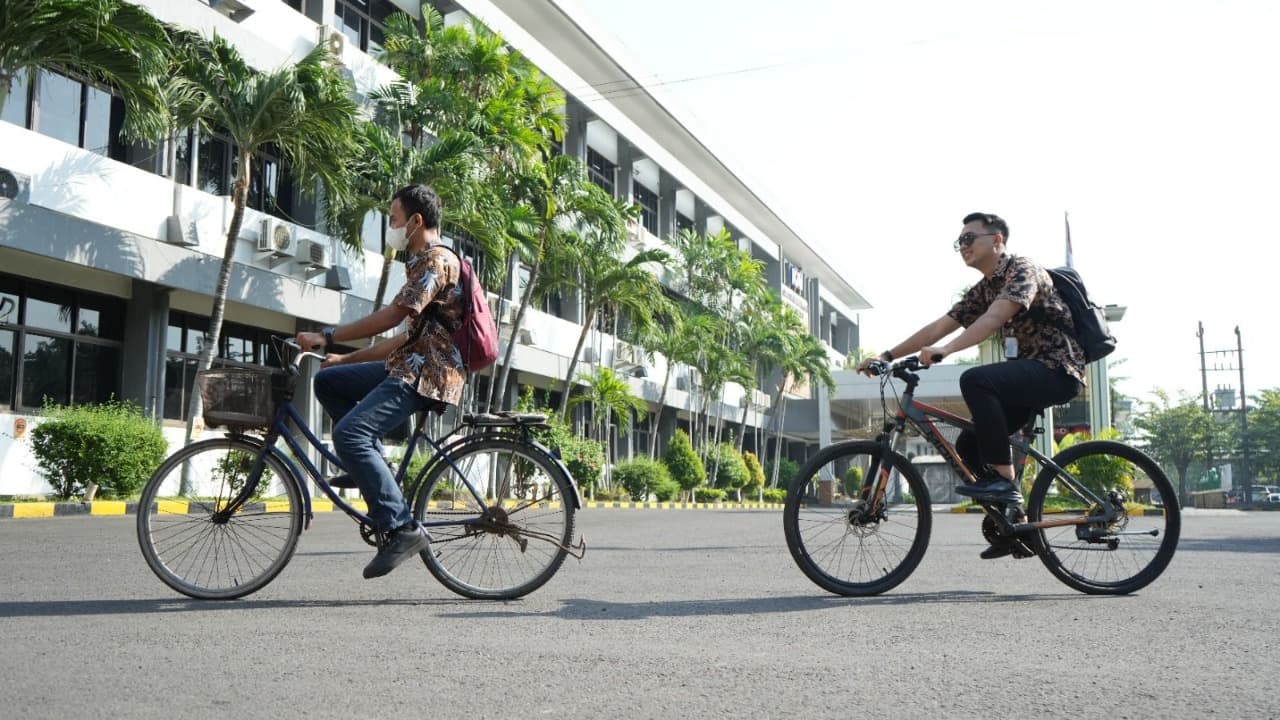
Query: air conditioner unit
point(314, 254)
point(528, 336)
point(691, 381)
point(15, 186)
point(588, 355)
point(744, 401)
point(332, 40)
point(509, 311)
point(276, 237)
point(628, 355)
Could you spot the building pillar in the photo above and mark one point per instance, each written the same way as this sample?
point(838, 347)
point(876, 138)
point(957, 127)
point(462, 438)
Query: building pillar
point(576, 117)
point(701, 211)
point(146, 326)
point(627, 156)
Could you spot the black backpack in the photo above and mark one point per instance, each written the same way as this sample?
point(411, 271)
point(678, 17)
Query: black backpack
point(1091, 331)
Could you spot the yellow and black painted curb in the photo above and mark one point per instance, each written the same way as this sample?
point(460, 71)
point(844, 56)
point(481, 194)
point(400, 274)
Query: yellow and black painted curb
point(179, 507)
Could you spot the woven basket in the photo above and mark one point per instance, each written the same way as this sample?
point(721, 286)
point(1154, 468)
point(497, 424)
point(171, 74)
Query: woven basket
point(236, 397)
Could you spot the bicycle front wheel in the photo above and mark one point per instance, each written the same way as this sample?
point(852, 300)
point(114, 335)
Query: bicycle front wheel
point(845, 541)
point(193, 545)
point(512, 541)
point(1102, 558)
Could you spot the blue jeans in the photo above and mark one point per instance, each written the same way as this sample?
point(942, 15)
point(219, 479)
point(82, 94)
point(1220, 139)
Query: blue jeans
point(365, 405)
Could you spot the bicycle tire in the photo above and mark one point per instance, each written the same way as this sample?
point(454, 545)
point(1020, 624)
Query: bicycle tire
point(517, 540)
point(840, 546)
point(200, 555)
point(1107, 563)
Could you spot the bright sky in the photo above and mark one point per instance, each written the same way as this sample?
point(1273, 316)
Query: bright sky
point(874, 127)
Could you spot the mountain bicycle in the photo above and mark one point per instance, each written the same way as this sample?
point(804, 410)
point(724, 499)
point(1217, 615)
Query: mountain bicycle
point(857, 516)
point(221, 518)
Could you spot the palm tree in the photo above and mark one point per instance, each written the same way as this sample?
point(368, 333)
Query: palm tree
point(304, 110)
point(602, 279)
point(610, 396)
point(803, 355)
point(678, 337)
point(563, 202)
point(111, 42)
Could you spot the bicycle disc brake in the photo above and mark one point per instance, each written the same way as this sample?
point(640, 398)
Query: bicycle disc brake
point(1105, 532)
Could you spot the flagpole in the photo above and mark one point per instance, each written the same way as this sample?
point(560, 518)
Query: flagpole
point(1066, 220)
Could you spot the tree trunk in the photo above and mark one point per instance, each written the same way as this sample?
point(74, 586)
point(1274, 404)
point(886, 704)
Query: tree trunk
point(777, 422)
point(5, 87)
point(498, 390)
point(383, 279)
point(573, 361)
point(742, 425)
point(240, 191)
point(662, 400)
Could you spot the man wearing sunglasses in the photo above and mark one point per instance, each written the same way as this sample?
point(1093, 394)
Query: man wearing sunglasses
point(1016, 298)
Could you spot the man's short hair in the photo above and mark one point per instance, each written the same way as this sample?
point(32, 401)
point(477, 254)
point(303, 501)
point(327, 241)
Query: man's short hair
point(422, 200)
point(990, 222)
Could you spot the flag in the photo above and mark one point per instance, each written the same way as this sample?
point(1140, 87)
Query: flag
point(1067, 221)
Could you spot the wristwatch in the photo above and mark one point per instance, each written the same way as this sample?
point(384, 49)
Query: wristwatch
point(328, 338)
point(886, 356)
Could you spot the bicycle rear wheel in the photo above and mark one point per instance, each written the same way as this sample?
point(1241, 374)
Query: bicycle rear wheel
point(1106, 558)
point(846, 543)
point(511, 543)
point(197, 549)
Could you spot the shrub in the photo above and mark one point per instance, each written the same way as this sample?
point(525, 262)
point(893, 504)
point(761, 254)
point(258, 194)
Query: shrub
point(233, 469)
point(730, 471)
point(853, 481)
point(641, 476)
point(774, 495)
point(683, 463)
point(787, 470)
point(111, 444)
point(666, 490)
point(583, 457)
point(708, 495)
point(755, 474)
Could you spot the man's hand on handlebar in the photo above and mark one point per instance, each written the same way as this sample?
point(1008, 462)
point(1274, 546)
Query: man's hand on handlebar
point(872, 366)
point(931, 355)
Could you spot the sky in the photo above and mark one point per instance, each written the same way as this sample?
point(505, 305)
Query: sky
point(872, 128)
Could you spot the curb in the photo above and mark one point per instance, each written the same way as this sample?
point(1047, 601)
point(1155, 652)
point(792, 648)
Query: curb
point(120, 507)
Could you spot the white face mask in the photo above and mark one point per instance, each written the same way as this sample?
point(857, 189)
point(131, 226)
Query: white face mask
point(397, 239)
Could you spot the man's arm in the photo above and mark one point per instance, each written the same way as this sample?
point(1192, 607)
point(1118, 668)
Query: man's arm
point(992, 320)
point(930, 333)
point(377, 351)
point(368, 326)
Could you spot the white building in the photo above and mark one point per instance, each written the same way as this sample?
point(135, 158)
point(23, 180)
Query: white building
point(107, 268)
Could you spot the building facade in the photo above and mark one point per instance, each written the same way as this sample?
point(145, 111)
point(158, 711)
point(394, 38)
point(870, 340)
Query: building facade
point(108, 255)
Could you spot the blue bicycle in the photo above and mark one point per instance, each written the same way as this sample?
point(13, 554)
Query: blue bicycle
point(221, 518)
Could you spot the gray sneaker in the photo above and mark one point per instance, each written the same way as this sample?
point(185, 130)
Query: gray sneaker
point(402, 545)
point(992, 489)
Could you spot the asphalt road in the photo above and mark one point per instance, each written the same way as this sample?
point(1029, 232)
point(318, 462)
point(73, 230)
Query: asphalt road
point(672, 614)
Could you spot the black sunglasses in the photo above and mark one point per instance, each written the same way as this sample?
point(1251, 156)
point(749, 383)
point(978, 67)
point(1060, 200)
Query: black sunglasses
point(967, 239)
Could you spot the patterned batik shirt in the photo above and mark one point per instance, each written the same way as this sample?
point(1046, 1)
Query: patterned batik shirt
point(1039, 326)
point(428, 360)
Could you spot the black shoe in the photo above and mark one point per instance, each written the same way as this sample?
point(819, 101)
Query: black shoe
point(992, 488)
point(996, 551)
point(342, 482)
point(402, 545)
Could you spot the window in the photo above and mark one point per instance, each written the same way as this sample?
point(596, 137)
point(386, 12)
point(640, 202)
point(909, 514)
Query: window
point(362, 22)
point(59, 103)
point(78, 114)
point(683, 223)
point(57, 345)
point(648, 202)
point(238, 346)
point(600, 170)
point(271, 187)
point(15, 108)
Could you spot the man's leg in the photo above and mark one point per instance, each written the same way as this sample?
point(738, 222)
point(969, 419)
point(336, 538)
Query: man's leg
point(1001, 397)
point(339, 388)
point(356, 439)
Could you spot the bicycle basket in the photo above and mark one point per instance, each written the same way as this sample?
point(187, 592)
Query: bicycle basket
point(236, 397)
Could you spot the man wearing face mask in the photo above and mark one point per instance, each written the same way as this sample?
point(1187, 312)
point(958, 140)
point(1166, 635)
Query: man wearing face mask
point(371, 391)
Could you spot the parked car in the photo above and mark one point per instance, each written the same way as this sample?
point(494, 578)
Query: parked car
point(1261, 494)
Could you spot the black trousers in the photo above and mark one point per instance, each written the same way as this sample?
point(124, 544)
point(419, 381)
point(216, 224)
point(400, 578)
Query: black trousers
point(1002, 397)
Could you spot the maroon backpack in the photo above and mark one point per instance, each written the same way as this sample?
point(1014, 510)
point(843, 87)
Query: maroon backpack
point(477, 337)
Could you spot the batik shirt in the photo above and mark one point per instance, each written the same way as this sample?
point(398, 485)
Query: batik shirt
point(1039, 326)
point(428, 360)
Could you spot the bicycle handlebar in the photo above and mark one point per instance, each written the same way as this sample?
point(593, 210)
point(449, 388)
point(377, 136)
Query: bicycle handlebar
point(297, 361)
point(909, 364)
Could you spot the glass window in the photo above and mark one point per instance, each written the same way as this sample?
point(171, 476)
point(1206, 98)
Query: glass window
point(89, 322)
point(213, 165)
point(179, 375)
point(97, 121)
point(97, 372)
point(15, 107)
point(49, 315)
point(648, 202)
point(100, 317)
point(44, 370)
point(173, 338)
point(195, 341)
point(6, 367)
point(59, 107)
point(8, 308)
point(184, 158)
